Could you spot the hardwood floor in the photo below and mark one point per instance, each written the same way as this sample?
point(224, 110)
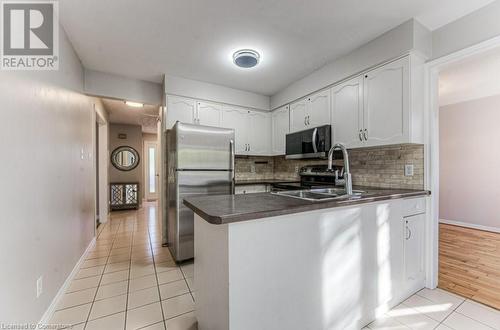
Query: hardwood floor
point(469, 263)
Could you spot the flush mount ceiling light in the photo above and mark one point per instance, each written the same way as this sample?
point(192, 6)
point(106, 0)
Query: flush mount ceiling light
point(134, 104)
point(246, 58)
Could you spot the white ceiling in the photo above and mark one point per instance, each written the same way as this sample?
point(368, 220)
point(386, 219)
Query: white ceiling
point(476, 77)
point(120, 113)
point(195, 39)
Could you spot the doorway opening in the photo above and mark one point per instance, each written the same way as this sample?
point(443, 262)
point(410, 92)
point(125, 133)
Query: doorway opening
point(469, 190)
point(151, 171)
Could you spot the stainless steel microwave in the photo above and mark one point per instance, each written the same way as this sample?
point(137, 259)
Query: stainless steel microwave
point(311, 143)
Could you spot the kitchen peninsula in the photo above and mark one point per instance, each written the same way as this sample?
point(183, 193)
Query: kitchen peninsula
point(268, 261)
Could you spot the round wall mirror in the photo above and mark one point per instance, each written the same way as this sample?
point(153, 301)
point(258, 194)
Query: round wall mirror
point(125, 158)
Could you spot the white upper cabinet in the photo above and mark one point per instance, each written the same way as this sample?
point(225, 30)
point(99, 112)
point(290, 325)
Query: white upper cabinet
point(379, 108)
point(180, 109)
point(208, 114)
point(280, 128)
point(347, 113)
point(237, 119)
point(298, 116)
point(318, 109)
point(310, 112)
point(387, 104)
point(259, 135)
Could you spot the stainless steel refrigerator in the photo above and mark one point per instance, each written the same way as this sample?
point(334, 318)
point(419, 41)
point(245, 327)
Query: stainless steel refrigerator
point(200, 162)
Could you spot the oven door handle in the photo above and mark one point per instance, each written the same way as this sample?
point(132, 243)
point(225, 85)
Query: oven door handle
point(314, 135)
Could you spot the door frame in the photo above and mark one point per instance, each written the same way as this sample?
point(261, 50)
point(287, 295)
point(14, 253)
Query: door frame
point(147, 195)
point(431, 150)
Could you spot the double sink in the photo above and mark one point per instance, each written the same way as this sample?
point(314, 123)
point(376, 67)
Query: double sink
point(323, 194)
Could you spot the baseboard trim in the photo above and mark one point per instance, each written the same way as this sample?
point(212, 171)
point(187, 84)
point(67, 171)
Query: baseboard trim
point(48, 313)
point(470, 225)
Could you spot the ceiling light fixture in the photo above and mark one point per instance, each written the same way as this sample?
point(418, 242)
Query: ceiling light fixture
point(246, 58)
point(134, 104)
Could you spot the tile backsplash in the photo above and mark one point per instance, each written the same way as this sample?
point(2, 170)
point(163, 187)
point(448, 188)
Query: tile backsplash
point(375, 167)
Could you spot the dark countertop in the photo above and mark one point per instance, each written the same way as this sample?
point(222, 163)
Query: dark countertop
point(262, 181)
point(222, 209)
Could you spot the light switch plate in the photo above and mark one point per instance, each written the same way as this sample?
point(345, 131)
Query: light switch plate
point(252, 168)
point(408, 170)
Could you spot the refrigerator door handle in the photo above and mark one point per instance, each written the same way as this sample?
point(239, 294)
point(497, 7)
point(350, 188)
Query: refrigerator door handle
point(231, 166)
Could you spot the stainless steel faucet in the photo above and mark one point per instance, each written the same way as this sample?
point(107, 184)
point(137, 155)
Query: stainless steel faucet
point(347, 172)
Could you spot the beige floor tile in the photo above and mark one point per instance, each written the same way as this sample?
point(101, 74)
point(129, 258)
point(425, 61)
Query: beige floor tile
point(144, 282)
point(112, 290)
point(387, 323)
point(119, 258)
point(141, 270)
point(115, 267)
point(94, 262)
point(111, 322)
point(177, 305)
point(188, 270)
point(97, 255)
point(143, 297)
point(412, 318)
point(156, 326)
point(73, 315)
point(108, 306)
point(458, 321)
point(114, 277)
point(183, 322)
point(89, 272)
point(80, 326)
point(163, 258)
point(83, 283)
point(481, 313)
point(144, 316)
point(190, 282)
point(118, 251)
point(171, 276)
point(172, 289)
point(436, 311)
point(165, 266)
point(76, 298)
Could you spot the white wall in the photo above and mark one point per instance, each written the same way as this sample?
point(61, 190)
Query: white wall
point(410, 35)
point(216, 93)
point(469, 162)
point(113, 86)
point(481, 25)
point(48, 208)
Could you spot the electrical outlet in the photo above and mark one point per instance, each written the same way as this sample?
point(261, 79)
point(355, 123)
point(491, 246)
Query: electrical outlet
point(408, 170)
point(252, 168)
point(82, 154)
point(296, 168)
point(39, 286)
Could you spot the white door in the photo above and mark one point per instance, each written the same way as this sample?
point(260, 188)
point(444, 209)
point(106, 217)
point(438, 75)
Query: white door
point(180, 109)
point(318, 109)
point(259, 135)
point(298, 116)
point(347, 113)
point(151, 170)
point(386, 104)
point(280, 128)
point(208, 114)
point(237, 119)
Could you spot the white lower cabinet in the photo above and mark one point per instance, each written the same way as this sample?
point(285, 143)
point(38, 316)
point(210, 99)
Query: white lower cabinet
point(414, 275)
point(251, 189)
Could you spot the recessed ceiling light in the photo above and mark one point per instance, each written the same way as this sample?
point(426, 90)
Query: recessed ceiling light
point(134, 104)
point(246, 58)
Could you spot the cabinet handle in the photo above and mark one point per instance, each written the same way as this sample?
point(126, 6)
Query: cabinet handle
point(360, 135)
point(249, 147)
point(305, 120)
point(365, 134)
point(408, 233)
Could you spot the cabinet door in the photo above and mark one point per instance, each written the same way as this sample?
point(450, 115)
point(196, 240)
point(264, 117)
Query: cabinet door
point(318, 109)
point(259, 135)
point(347, 113)
point(180, 109)
point(237, 119)
point(298, 120)
point(280, 128)
point(208, 114)
point(386, 104)
point(414, 252)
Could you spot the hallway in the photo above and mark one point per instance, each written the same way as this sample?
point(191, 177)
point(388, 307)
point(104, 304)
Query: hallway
point(120, 283)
